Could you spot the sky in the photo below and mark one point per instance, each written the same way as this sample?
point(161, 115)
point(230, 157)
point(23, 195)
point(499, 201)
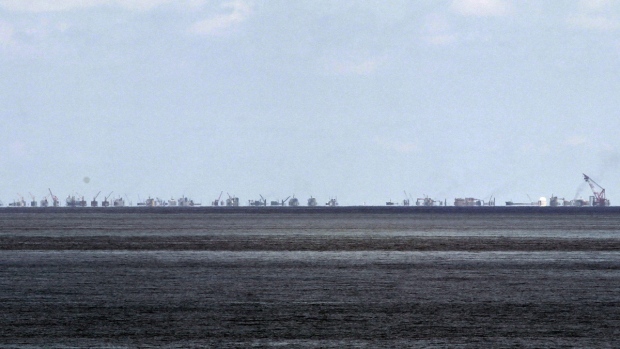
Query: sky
point(363, 101)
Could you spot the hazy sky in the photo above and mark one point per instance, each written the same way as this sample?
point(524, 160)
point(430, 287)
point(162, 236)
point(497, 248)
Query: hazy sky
point(358, 100)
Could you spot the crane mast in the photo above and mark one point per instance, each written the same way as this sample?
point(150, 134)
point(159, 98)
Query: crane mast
point(599, 192)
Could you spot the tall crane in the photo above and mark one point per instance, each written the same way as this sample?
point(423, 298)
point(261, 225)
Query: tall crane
point(285, 200)
point(217, 201)
point(105, 202)
point(55, 201)
point(33, 203)
point(599, 192)
point(94, 203)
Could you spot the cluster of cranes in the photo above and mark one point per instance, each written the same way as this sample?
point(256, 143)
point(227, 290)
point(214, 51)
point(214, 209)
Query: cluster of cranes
point(597, 199)
point(71, 201)
point(289, 201)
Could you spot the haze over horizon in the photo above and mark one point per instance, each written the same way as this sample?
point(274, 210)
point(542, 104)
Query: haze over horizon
point(359, 100)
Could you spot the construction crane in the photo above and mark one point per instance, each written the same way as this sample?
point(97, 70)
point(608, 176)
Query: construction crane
point(279, 203)
point(599, 192)
point(217, 201)
point(105, 202)
point(285, 200)
point(55, 201)
point(94, 202)
point(33, 203)
point(261, 202)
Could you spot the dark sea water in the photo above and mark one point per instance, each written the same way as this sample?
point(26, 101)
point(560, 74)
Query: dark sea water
point(325, 278)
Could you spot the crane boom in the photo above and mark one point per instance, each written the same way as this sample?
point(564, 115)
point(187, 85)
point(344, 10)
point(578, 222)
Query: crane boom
point(55, 201)
point(217, 201)
point(598, 191)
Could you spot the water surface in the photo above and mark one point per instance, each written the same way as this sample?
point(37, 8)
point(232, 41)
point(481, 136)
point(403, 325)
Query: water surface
point(330, 279)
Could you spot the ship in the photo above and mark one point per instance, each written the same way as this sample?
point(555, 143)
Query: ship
point(186, 202)
point(541, 202)
point(150, 202)
point(261, 202)
point(426, 201)
point(279, 203)
point(232, 200)
point(468, 202)
point(119, 202)
point(293, 201)
point(18, 203)
point(72, 201)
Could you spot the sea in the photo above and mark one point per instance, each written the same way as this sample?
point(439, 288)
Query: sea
point(280, 277)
